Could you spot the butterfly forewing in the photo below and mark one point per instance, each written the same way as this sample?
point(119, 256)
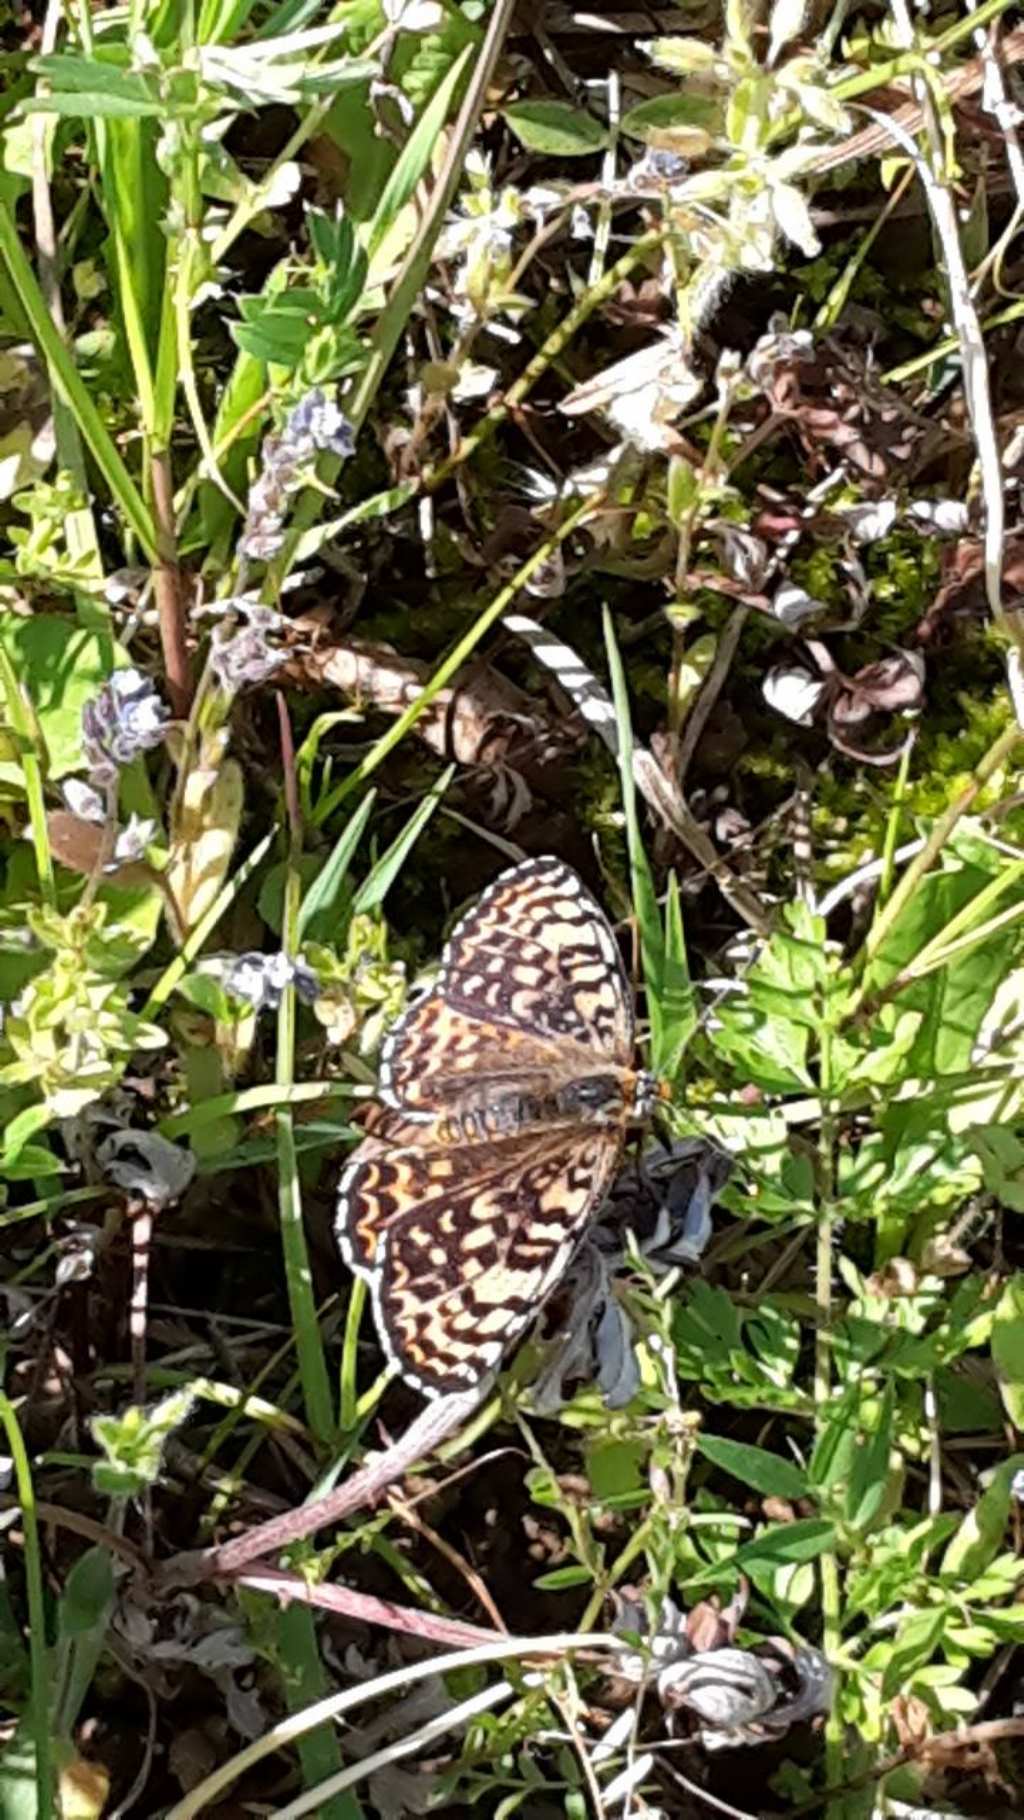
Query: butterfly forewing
point(462, 1235)
point(536, 953)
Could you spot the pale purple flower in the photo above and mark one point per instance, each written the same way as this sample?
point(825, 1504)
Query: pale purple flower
point(313, 426)
point(243, 655)
point(123, 719)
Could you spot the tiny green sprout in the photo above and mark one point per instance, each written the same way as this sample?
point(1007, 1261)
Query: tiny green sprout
point(71, 1030)
point(133, 1444)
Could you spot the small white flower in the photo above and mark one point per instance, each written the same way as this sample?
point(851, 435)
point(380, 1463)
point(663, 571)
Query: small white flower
point(869, 522)
point(83, 800)
point(131, 842)
point(793, 692)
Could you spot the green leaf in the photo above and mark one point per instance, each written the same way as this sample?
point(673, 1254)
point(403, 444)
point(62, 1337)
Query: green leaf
point(277, 330)
point(133, 1443)
point(980, 1536)
point(954, 998)
point(415, 158)
point(556, 129)
point(321, 901)
point(683, 122)
point(381, 877)
point(98, 107)
point(59, 668)
point(915, 1643)
point(561, 1578)
point(380, 505)
point(88, 1594)
point(869, 1474)
point(782, 1544)
point(767, 1473)
point(1008, 1348)
point(16, 1134)
point(1001, 1153)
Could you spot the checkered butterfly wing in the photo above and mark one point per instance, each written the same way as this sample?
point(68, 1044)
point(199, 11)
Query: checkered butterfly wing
point(462, 1246)
point(531, 970)
point(462, 1241)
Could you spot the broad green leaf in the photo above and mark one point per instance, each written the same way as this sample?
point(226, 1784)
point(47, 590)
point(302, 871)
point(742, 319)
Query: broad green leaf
point(870, 1469)
point(17, 1133)
point(1008, 1348)
point(686, 123)
point(60, 668)
point(768, 1473)
point(914, 1644)
point(556, 129)
point(980, 1536)
point(1002, 1160)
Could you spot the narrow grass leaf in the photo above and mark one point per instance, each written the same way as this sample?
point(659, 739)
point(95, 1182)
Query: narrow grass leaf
point(322, 899)
point(645, 901)
point(415, 158)
point(381, 877)
point(39, 1713)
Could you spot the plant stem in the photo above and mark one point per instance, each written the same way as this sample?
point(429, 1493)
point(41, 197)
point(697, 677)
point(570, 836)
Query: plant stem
point(831, 1636)
point(25, 728)
point(546, 355)
point(316, 1391)
point(40, 1708)
point(167, 589)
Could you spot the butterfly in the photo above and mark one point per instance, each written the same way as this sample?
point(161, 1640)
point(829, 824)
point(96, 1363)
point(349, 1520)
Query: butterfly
point(506, 1093)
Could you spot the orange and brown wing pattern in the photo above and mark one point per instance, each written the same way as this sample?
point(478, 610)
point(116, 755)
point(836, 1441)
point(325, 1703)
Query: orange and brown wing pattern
point(536, 954)
point(462, 1236)
point(462, 1246)
point(436, 1050)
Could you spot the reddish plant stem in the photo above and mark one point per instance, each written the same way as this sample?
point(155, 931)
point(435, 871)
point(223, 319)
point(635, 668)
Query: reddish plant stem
point(168, 590)
point(432, 1426)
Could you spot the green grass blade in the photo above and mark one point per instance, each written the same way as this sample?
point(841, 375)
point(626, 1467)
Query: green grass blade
point(40, 1708)
point(415, 158)
point(68, 381)
point(316, 1386)
point(378, 882)
point(645, 899)
point(322, 898)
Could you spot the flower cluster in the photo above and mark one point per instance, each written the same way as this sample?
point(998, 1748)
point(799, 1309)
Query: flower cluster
point(261, 979)
point(72, 1029)
point(241, 656)
point(123, 719)
point(315, 426)
point(479, 233)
